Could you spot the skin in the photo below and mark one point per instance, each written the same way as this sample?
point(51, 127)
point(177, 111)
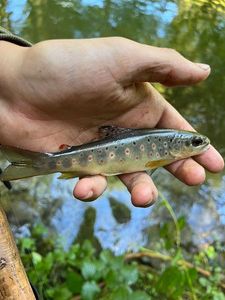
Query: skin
point(60, 92)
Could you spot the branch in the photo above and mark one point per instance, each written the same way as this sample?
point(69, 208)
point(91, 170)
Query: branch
point(181, 262)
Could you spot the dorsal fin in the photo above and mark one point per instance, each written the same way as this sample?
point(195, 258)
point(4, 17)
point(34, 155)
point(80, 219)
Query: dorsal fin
point(112, 131)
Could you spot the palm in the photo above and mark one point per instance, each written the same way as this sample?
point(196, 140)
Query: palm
point(42, 130)
point(77, 100)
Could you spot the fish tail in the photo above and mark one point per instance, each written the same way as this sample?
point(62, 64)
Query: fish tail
point(24, 163)
point(7, 184)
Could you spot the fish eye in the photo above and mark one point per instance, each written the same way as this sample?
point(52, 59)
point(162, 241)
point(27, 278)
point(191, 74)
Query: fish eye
point(197, 141)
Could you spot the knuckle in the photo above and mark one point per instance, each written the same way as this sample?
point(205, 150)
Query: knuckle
point(171, 52)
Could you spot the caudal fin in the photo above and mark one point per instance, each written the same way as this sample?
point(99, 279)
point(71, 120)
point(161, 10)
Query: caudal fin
point(24, 163)
point(7, 184)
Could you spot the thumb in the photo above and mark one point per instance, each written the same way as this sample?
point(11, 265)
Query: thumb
point(167, 66)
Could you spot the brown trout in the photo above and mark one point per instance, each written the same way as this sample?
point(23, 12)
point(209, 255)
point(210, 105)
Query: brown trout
point(121, 150)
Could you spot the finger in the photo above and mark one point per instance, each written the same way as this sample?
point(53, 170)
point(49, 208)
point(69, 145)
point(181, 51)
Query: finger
point(90, 188)
point(167, 66)
point(211, 159)
point(143, 191)
point(188, 171)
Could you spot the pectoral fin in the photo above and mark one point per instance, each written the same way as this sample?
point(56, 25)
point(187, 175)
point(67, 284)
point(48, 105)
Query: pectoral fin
point(158, 163)
point(67, 175)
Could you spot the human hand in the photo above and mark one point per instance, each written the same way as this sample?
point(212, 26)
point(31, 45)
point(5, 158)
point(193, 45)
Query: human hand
point(61, 91)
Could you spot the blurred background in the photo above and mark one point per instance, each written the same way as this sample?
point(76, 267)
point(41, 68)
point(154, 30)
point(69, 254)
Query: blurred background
point(197, 30)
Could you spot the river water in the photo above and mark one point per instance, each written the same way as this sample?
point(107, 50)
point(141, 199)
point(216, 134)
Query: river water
point(194, 28)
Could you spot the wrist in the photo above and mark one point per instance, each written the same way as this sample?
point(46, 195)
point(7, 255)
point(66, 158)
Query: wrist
point(10, 65)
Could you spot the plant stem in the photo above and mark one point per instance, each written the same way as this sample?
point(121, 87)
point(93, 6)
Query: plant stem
point(172, 213)
point(181, 262)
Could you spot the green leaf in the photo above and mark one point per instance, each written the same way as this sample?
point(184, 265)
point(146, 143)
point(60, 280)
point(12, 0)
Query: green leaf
point(203, 281)
point(192, 274)
point(58, 293)
point(88, 270)
point(39, 230)
point(178, 255)
point(172, 282)
point(112, 279)
point(36, 258)
point(210, 252)
point(140, 295)
point(122, 293)
point(129, 275)
point(181, 222)
point(87, 249)
point(106, 256)
point(74, 282)
point(27, 244)
point(90, 290)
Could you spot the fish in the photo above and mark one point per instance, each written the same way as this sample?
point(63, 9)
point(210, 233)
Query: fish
point(7, 184)
point(118, 151)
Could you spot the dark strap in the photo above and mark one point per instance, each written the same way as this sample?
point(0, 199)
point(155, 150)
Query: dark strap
point(6, 35)
point(35, 292)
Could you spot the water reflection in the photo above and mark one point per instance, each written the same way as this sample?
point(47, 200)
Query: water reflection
point(197, 30)
point(110, 233)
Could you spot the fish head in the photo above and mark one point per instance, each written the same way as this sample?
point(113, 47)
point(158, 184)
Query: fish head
point(188, 143)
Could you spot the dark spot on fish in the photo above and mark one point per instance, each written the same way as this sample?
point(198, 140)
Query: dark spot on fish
point(66, 162)
point(106, 148)
point(51, 164)
point(159, 139)
point(137, 158)
point(160, 150)
point(134, 143)
point(92, 150)
point(149, 140)
point(115, 147)
point(81, 154)
point(112, 154)
point(90, 157)
point(178, 141)
point(187, 143)
point(127, 151)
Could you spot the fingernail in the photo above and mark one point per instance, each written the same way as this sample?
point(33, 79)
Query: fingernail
point(204, 67)
point(149, 203)
point(87, 196)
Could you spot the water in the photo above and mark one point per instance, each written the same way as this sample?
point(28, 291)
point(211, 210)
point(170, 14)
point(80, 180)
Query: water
point(194, 28)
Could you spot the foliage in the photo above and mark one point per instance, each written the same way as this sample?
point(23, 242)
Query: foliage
point(59, 275)
point(81, 273)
